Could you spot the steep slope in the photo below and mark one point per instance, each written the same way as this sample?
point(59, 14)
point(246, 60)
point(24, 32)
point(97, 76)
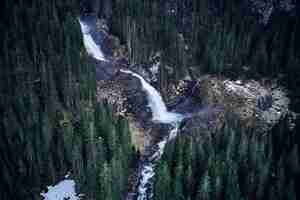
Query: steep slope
point(50, 123)
point(245, 43)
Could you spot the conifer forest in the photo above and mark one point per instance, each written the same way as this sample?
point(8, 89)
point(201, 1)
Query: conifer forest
point(149, 100)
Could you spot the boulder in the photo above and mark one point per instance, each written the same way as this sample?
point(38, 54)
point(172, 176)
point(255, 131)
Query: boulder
point(257, 105)
point(126, 94)
point(128, 99)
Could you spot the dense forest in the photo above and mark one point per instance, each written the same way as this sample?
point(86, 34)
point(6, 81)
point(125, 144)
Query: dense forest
point(210, 37)
point(52, 124)
point(224, 38)
point(230, 164)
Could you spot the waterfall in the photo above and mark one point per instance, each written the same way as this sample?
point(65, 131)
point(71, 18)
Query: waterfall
point(144, 191)
point(158, 107)
point(160, 114)
point(91, 47)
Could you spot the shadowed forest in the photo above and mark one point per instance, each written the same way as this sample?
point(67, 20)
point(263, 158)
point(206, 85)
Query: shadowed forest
point(53, 124)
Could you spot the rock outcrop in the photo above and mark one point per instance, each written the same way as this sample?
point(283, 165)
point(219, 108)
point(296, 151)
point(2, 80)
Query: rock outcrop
point(258, 106)
point(204, 101)
point(125, 93)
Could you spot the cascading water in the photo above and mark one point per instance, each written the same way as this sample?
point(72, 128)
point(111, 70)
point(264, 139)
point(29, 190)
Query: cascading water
point(144, 191)
point(91, 47)
point(160, 114)
point(158, 107)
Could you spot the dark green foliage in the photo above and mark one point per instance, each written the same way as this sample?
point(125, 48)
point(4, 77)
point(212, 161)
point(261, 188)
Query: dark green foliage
point(116, 166)
point(203, 37)
point(231, 164)
point(163, 183)
point(49, 123)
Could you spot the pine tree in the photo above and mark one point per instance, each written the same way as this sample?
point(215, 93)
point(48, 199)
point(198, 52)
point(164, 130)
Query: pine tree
point(163, 183)
point(293, 160)
point(218, 187)
point(204, 188)
point(188, 181)
point(177, 185)
point(106, 182)
point(232, 188)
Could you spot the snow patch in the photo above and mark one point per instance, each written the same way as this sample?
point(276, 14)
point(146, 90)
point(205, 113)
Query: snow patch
point(62, 191)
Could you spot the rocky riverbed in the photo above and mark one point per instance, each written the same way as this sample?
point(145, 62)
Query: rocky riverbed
point(203, 101)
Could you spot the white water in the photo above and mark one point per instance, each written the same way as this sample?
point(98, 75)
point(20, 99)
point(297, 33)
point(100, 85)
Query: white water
point(144, 191)
point(160, 114)
point(158, 107)
point(91, 47)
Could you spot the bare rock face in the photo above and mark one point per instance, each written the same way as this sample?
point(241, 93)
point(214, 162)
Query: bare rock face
point(139, 137)
point(257, 106)
point(204, 101)
point(124, 92)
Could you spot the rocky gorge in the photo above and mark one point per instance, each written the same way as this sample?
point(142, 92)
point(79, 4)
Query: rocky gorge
point(258, 104)
point(150, 100)
point(203, 102)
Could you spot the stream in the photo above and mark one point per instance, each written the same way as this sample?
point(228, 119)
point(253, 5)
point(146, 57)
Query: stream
point(160, 115)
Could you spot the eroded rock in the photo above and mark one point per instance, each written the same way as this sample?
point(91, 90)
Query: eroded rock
point(259, 106)
point(204, 101)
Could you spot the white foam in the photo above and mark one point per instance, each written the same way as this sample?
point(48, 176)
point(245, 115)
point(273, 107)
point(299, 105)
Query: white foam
point(155, 102)
point(148, 169)
point(162, 115)
point(91, 47)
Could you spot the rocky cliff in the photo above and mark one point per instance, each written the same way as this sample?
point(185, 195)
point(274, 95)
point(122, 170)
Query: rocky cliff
point(259, 105)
